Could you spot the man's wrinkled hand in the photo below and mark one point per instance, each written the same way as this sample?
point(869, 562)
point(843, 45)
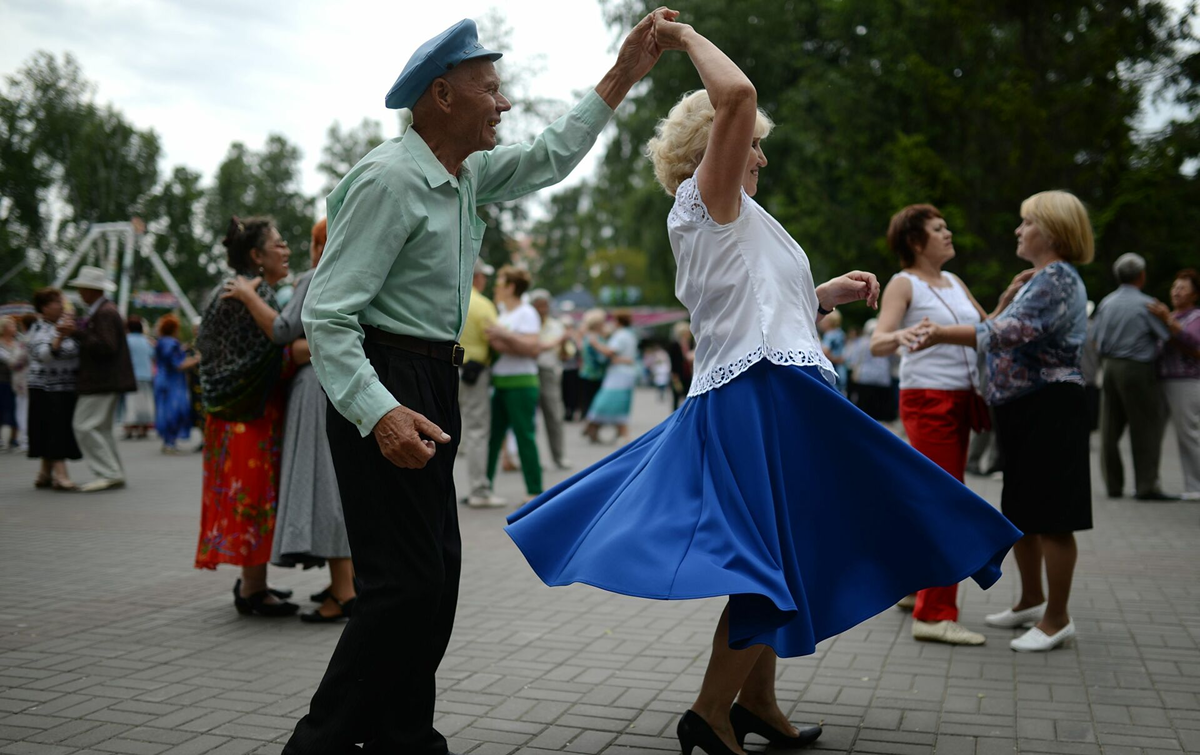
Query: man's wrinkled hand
point(408, 439)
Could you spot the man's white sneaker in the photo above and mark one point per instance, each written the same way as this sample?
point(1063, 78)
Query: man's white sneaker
point(1189, 495)
point(949, 632)
point(1009, 618)
point(1037, 641)
point(487, 501)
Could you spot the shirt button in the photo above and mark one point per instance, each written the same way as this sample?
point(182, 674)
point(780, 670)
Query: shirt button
point(358, 421)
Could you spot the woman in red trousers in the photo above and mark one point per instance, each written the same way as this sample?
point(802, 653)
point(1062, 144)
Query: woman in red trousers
point(938, 402)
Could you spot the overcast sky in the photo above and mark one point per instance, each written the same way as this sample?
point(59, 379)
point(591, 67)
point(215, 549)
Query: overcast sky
point(204, 73)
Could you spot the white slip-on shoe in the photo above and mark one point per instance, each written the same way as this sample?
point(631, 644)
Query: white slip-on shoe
point(949, 632)
point(907, 603)
point(101, 483)
point(1010, 619)
point(487, 501)
point(1037, 641)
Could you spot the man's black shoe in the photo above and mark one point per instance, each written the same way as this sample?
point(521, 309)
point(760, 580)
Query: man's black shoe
point(1157, 495)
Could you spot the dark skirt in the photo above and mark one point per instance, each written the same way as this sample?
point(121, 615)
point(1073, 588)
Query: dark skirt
point(51, 434)
point(1047, 466)
point(8, 405)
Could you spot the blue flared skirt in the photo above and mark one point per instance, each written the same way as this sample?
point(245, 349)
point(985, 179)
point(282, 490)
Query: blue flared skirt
point(778, 492)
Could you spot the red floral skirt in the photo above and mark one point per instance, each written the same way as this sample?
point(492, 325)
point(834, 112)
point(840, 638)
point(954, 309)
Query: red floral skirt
point(241, 488)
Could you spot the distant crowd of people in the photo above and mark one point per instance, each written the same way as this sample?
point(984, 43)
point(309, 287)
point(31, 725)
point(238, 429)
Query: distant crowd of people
point(67, 377)
point(522, 359)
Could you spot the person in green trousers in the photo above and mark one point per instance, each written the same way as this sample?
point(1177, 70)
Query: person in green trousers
point(515, 376)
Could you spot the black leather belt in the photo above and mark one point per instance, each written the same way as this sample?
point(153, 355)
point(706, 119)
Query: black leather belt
point(444, 351)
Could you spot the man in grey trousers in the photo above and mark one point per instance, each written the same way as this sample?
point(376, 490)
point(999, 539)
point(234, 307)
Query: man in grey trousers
point(475, 391)
point(550, 370)
point(105, 372)
point(1128, 338)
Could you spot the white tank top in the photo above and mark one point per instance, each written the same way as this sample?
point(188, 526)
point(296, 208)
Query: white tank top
point(943, 367)
point(748, 287)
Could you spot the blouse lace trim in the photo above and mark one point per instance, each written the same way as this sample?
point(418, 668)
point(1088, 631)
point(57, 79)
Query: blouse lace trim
point(689, 207)
point(722, 374)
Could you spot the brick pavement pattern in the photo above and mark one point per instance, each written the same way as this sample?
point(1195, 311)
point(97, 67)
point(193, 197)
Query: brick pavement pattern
point(110, 642)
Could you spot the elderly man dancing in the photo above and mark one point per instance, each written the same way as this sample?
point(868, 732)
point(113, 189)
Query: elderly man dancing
point(385, 308)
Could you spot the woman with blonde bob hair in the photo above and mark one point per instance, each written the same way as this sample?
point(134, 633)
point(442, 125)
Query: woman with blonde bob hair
point(741, 492)
point(1032, 350)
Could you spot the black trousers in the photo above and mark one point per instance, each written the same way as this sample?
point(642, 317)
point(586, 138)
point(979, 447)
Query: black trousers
point(403, 529)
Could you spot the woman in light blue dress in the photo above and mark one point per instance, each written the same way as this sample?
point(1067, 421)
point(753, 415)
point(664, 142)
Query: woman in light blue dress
point(767, 486)
point(614, 400)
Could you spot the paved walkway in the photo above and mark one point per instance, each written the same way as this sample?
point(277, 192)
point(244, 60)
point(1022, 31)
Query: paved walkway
point(110, 642)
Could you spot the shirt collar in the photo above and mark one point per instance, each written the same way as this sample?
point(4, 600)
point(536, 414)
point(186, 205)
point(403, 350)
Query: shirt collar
point(435, 173)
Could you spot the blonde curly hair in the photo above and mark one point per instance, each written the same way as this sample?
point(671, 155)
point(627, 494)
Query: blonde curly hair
point(681, 138)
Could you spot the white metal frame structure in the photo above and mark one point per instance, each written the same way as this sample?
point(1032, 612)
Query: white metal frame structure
point(114, 234)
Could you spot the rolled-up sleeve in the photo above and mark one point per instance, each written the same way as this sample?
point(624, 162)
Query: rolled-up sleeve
point(513, 171)
point(369, 231)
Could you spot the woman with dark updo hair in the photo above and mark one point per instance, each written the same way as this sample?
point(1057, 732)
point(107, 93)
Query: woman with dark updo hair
point(309, 527)
point(242, 376)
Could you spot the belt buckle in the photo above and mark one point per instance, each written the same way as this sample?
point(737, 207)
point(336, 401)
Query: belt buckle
point(458, 355)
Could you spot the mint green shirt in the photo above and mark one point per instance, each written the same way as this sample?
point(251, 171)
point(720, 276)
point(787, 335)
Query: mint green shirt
point(403, 238)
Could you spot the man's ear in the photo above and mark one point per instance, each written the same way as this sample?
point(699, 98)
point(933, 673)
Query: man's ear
point(441, 93)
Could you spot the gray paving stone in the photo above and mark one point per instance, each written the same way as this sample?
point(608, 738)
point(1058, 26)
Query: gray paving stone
point(143, 654)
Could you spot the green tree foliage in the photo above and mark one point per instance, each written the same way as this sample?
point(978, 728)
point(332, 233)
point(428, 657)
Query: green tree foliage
point(530, 114)
point(969, 105)
point(343, 149)
point(65, 162)
point(265, 182)
point(181, 237)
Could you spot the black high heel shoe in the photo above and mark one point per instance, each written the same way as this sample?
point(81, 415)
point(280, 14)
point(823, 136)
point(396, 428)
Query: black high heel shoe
point(744, 722)
point(316, 617)
point(257, 604)
point(693, 731)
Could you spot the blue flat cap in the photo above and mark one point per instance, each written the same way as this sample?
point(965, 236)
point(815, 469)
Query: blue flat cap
point(432, 59)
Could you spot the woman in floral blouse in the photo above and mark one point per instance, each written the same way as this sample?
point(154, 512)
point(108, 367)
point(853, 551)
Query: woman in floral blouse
point(1179, 373)
point(1032, 351)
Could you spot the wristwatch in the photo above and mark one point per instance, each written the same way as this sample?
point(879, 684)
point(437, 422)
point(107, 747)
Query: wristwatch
point(822, 311)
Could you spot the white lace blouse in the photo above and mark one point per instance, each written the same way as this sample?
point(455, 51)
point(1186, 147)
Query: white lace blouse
point(748, 287)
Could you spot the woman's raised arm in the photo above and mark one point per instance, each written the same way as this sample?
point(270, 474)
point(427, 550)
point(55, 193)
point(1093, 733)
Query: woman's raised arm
point(731, 140)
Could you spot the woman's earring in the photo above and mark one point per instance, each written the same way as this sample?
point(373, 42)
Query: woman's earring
point(260, 269)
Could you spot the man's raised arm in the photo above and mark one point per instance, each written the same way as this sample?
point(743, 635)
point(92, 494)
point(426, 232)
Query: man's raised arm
point(513, 171)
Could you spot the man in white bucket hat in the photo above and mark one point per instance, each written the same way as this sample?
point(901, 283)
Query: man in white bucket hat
point(105, 372)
